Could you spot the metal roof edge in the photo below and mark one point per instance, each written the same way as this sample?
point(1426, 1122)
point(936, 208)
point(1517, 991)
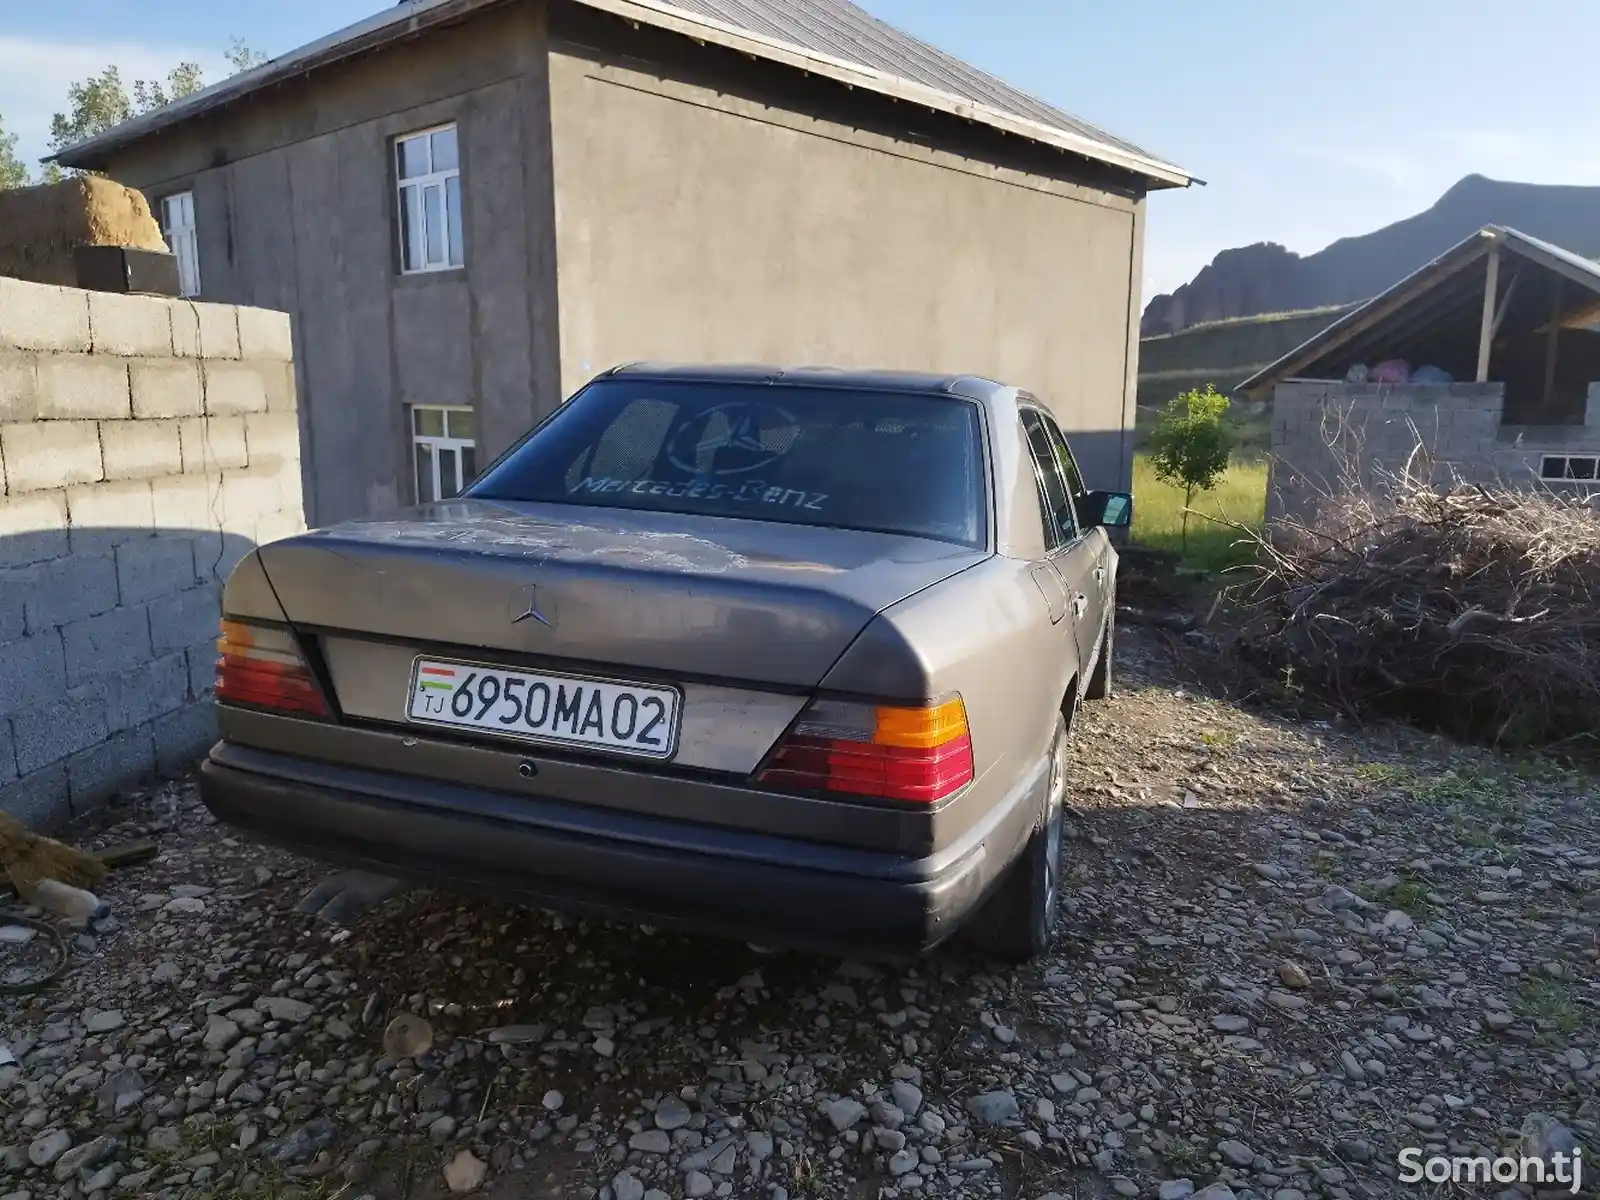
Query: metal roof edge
point(416, 15)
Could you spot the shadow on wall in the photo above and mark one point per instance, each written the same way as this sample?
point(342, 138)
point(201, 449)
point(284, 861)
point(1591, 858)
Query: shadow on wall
point(107, 655)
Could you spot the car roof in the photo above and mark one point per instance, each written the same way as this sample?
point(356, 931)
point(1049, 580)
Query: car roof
point(972, 387)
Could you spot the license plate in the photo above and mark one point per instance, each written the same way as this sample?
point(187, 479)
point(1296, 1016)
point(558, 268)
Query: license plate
point(566, 710)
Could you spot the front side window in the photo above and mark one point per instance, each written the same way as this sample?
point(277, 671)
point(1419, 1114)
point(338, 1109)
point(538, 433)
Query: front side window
point(177, 227)
point(844, 458)
point(444, 449)
point(428, 175)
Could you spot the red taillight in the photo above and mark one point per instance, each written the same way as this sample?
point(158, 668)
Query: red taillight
point(261, 666)
point(921, 754)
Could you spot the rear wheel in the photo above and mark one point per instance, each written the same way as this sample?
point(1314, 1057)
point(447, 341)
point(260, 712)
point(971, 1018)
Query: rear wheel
point(1017, 922)
point(1101, 685)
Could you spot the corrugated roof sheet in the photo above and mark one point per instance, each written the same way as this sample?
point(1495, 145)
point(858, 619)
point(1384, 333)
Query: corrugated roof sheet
point(845, 30)
point(829, 37)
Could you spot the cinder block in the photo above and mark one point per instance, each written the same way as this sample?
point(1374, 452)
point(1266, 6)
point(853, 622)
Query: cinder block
point(211, 443)
point(187, 619)
point(140, 449)
point(148, 691)
point(278, 379)
point(184, 736)
point(275, 526)
point(8, 753)
point(121, 324)
point(106, 645)
point(38, 800)
point(16, 585)
point(264, 333)
point(108, 514)
point(150, 568)
point(219, 330)
point(84, 386)
point(202, 660)
point(33, 528)
point(48, 733)
point(251, 492)
point(70, 589)
point(272, 438)
point(235, 387)
point(192, 503)
point(50, 454)
point(19, 387)
point(185, 328)
point(97, 774)
point(36, 316)
point(165, 388)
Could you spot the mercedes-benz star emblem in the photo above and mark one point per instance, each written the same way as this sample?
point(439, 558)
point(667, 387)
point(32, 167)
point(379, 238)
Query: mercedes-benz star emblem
point(526, 604)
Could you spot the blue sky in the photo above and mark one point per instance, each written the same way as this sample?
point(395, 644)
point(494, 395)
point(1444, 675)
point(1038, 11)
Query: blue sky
point(1310, 122)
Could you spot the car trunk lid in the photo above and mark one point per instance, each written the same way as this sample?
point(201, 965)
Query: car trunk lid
point(674, 596)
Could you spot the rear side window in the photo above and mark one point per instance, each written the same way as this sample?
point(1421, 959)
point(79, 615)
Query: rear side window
point(888, 462)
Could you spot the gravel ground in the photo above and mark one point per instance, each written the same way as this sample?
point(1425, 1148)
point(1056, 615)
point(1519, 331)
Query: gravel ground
point(1288, 952)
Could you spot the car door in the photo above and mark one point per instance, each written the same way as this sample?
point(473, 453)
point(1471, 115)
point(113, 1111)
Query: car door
point(1070, 555)
point(1102, 574)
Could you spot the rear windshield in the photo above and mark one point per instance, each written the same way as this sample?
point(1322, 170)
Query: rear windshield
point(847, 459)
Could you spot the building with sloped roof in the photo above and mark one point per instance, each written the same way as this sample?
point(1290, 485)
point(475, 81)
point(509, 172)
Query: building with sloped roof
point(1481, 366)
point(470, 207)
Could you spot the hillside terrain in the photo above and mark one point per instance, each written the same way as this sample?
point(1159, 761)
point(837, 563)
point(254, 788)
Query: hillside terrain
point(1267, 277)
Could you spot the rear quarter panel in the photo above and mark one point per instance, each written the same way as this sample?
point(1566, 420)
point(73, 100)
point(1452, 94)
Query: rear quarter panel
point(984, 633)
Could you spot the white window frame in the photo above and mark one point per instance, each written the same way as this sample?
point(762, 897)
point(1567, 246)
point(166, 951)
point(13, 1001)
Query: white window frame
point(1566, 460)
point(433, 444)
point(178, 228)
point(454, 257)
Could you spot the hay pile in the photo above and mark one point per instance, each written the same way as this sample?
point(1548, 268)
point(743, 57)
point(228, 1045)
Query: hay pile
point(40, 226)
point(1474, 611)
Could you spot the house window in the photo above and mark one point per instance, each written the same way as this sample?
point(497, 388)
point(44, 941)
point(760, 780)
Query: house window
point(428, 174)
point(445, 453)
point(1567, 467)
point(177, 227)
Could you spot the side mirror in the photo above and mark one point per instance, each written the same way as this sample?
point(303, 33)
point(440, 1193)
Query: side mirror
point(1114, 510)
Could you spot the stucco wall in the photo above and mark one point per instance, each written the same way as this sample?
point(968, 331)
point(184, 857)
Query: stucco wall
point(698, 223)
point(1321, 431)
point(301, 217)
point(146, 445)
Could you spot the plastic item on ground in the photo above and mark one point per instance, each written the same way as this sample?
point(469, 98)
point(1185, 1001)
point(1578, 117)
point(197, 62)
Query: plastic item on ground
point(1391, 370)
point(1356, 374)
point(1428, 373)
point(67, 901)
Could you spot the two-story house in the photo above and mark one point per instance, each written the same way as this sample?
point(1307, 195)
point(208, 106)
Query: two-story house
point(469, 207)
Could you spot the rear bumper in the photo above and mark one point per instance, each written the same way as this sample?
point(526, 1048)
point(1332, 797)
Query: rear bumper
point(599, 862)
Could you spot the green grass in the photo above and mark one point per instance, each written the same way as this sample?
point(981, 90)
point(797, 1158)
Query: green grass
point(1550, 1002)
point(1241, 495)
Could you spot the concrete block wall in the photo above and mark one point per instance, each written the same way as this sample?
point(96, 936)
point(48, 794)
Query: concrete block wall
point(1322, 431)
point(146, 445)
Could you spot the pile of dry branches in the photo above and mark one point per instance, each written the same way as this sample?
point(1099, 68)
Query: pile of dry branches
point(1471, 610)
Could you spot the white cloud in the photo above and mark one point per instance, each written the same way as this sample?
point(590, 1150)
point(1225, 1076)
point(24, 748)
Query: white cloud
point(36, 72)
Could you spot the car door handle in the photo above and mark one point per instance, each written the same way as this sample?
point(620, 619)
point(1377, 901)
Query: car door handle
point(1080, 604)
point(1100, 575)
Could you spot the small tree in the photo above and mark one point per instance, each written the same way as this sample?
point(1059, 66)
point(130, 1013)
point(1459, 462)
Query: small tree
point(1189, 446)
point(13, 171)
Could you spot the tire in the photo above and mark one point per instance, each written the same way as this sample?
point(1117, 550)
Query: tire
point(1102, 685)
point(1017, 922)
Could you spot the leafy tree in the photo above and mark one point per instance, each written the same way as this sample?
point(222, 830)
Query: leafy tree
point(241, 57)
point(183, 79)
point(13, 171)
point(1189, 446)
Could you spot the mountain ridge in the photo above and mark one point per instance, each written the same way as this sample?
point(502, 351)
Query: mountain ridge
point(1267, 277)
